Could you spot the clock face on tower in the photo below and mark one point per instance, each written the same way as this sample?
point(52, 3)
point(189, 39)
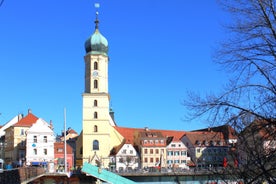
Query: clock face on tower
point(95, 74)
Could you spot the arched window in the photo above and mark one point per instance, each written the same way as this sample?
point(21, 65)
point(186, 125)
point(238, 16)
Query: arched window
point(95, 103)
point(95, 128)
point(95, 145)
point(95, 65)
point(95, 115)
point(95, 84)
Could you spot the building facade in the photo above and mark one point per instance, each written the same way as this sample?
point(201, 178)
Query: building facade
point(40, 140)
point(206, 149)
point(15, 140)
point(152, 148)
point(177, 153)
point(98, 134)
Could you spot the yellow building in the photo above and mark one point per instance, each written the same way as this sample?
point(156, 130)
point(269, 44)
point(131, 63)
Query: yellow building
point(98, 136)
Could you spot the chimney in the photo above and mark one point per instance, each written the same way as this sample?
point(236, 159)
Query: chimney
point(20, 116)
point(51, 125)
point(29, 111)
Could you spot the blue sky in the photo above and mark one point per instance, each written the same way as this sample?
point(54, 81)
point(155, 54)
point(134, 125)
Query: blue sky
point(158, 50)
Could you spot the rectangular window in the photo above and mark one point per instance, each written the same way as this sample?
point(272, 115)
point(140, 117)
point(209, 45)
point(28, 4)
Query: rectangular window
point(45, 139)
point(198, 150)
point(35, 139)
point(146, 160)
point(151, 151)
point(176, 153)
point(121, 160)
point(173, 145)
point(35, 151)
point(131, 151)
point(157, 160)
point(45, 151)
point(170, 153)
point(146, 151)
point(151, 160)
point(22, 132)
point(156, 151)
point(183, 161)
point(183, 153)
point(124, 151)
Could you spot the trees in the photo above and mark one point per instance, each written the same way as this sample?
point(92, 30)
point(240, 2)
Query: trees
point(250, 95)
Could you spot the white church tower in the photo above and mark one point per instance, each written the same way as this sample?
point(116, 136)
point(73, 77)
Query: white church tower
point(98, 126)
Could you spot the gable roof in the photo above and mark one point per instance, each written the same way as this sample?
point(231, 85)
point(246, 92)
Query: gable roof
point(227, 130)
point(40, 126)
point(26, 121)
point(201, 136)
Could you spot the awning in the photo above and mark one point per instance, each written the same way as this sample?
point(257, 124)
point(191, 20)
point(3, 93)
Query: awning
point(39, 163)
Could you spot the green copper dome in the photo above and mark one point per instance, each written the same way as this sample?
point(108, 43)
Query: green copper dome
point(96, 43)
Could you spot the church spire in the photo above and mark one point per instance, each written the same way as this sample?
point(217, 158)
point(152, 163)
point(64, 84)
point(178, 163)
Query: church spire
point(96, 43)
point(97, 5)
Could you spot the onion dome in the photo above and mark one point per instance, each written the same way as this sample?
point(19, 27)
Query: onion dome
point(96, 43)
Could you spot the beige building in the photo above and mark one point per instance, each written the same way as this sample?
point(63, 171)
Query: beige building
point(98, 136)
point(15, 139)
point(152, 148)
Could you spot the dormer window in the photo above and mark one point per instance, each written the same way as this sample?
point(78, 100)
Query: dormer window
point(205, 143)
point(212, 143)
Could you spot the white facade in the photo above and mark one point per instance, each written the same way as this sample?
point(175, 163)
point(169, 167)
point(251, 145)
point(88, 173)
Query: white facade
point(177, 155)
point(40, 143)
point(127, 158)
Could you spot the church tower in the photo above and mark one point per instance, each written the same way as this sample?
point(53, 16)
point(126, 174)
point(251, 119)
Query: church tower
point(98, 126)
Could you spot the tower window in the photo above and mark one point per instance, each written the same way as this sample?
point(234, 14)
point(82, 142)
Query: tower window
point(95, 145)
point(95, 128)
point(95, 65)
point(95, 115)
point(95, 84)
point(95, 103)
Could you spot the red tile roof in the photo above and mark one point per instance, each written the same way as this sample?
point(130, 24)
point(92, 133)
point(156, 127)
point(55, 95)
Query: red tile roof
point(201, 136)
point(227, 130)
point(128, 133)
point(26, 121)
